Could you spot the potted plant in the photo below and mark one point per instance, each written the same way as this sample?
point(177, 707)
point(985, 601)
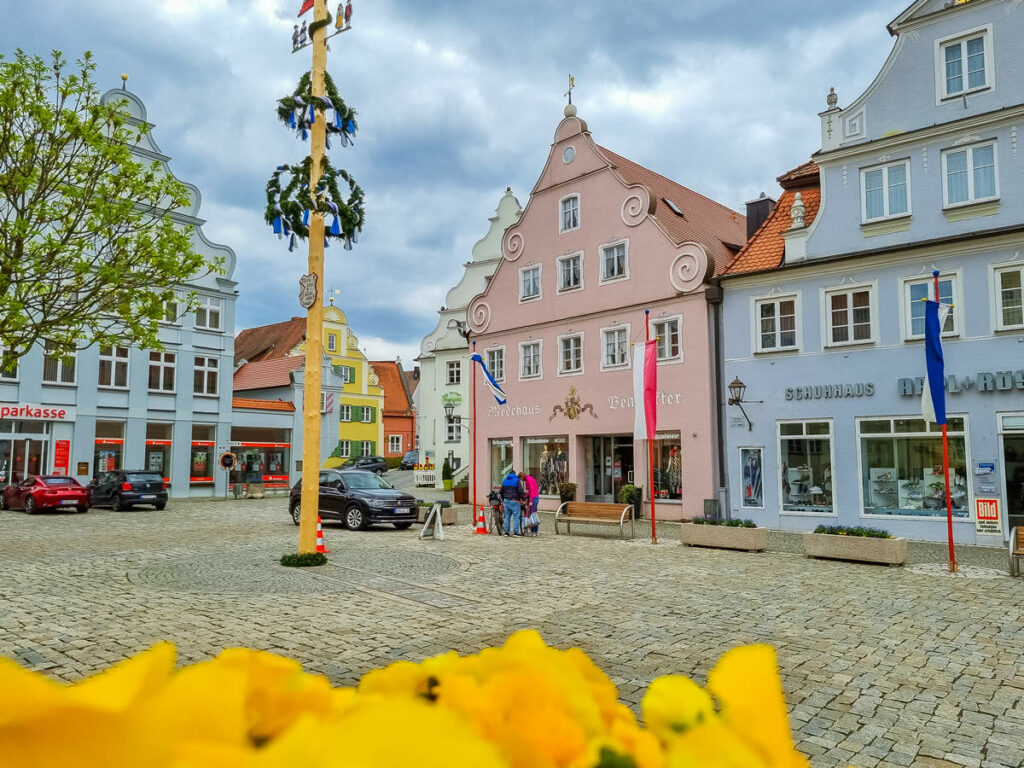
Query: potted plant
point(863, 545)
point(724, 534)
point(566, 492)
point(446, 475)
point(632, 494)
point(460, 493)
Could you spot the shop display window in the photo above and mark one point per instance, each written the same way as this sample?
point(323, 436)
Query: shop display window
point(263, 455)
point(158, 449)
point(204, 442)
point(547, 459)
point(805, 462)
point(501, 460)
point(109, 453)
point(902, 468)
point(668, 459)
point(752, 487)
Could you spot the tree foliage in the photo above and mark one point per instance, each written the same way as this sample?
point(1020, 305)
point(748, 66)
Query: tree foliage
point(90, 243)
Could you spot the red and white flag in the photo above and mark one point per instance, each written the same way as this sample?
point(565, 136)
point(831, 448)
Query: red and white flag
point(645, 389)
point(306, 5)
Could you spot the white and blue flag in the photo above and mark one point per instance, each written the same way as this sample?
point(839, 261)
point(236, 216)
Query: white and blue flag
point(933, 393)
point(498, 392)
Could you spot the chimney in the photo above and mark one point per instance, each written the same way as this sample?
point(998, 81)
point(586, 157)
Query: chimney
point(757, 211)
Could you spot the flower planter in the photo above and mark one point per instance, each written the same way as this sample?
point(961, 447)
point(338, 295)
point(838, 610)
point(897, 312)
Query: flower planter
point(460, 494)
point(724, 537)
point(447, 484)
point(861, 549)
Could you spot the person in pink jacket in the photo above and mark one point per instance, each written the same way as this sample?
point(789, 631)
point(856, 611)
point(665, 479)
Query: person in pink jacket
point(533, 499)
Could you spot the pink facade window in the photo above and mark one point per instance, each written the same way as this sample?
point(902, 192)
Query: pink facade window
point(614, 262)
point(615, 347)
point(496, 363)
point(529, 360)
point(570, 272)
point(529, 282)
point(669, 338)
point(570, 207)
point(570, 354)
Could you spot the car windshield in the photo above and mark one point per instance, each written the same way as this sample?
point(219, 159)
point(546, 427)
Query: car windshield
point(366, 481)
point(60, 481)
point(142, 477)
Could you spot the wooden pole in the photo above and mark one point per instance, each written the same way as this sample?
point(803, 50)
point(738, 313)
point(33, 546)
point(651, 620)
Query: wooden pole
point(945, 463)
point(650, 443)
point(315, 314)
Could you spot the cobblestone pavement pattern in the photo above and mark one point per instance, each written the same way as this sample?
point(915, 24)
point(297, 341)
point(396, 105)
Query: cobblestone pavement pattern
point(882, 667)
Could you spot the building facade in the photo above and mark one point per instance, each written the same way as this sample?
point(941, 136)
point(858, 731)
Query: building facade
point(399, 422)
point(601, 241)
point(444, 352)
point(128, 408)
point(823, 308)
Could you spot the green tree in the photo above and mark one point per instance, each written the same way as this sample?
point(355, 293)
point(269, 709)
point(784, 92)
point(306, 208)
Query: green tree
point(89, 250)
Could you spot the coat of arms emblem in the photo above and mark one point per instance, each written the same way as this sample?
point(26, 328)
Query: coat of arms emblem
point(307, 291)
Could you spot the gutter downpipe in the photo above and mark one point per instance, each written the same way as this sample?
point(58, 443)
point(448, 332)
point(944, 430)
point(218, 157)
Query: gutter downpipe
point(714, 300)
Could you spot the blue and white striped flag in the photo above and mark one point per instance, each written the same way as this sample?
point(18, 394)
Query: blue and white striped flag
point(498, 392)
point(933, 393)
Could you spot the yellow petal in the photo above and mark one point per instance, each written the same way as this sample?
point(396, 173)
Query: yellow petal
point(673, 704)
point(127, 682)
point(25, 694)
point(207, 703)
point(712, 745)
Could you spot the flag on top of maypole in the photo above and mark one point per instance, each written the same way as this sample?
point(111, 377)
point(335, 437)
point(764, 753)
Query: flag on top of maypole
point(933, 393)
point(645, 389)
point(306, 5)
point(497, 391)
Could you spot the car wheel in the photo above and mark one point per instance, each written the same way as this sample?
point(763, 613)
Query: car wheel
point(160, 507)
point(117, 505)
point(30, 505)
point(354, 518)
point(403, 526)
point(296, 512)
point(3, 501)
point(378, 472)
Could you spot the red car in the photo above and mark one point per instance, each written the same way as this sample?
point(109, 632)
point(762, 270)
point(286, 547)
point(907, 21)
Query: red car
point(40, 492)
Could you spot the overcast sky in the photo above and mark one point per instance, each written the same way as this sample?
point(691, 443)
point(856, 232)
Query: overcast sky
point(456, 101)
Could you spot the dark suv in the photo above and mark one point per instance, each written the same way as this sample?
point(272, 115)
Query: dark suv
point(369, 463)
point(358, 499)
point(122, 489)
point(410, 460)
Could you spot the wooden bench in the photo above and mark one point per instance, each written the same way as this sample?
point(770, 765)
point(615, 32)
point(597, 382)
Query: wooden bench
point(594, 512)
point(1016, 549)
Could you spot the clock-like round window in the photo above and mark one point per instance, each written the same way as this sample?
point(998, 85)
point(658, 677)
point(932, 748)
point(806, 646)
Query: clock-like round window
point(568, 154)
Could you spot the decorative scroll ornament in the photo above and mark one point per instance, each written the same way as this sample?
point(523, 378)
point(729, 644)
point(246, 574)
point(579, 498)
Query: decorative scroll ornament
point(289, 204)
point(479, 316)
point(513, 245)
point(637, 206)
point(690, 267)
point(298, 111)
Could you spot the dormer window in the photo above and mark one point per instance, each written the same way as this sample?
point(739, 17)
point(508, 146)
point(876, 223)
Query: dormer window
point(570, 207)
point(964, 63)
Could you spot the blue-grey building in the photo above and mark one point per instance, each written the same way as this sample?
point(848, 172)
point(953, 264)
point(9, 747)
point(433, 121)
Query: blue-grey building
point(122, 407)
point(822, 308)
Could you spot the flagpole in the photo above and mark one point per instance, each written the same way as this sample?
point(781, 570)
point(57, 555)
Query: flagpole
point(945, 462)
point(472, 430)
point(650, 443)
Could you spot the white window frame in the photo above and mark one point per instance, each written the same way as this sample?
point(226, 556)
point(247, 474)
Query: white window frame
point(209, 305)
point(905, 318)
point(574, 372)
point(540, 287)
point(540, 359)
point(6, 378)
point(969, 149)
point(755, 322)
point(391, 443)
point(826, 314)
point(61, 365)
point(162, 364)
point(500, 352)
point(332, 342)
point(605, 364)
point(171, 316)
point(579, 213)
point(367, 414)
point(558, 272)
point(996, 294)
point(832, 463)
point(344, 412)
point(453, 366)
point(678, 320)
point(206, 369)
point(346, 449)
point(984, 32)
point(453, 430)
point(885, 192)
point(116, 360)
point(367, 448)
point(603, 280)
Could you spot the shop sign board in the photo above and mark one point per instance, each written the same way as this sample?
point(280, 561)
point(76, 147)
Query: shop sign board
point(61, 456)
point(983, 381)
point(988, 517)
point(451, 398)
point(36, 412)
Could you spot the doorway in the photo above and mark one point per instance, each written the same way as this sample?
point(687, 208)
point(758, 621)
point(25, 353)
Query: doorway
point(1013, 471)
point(611, 466)
point(21, 457)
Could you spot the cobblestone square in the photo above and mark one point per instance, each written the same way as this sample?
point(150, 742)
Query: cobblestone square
point(881, 666)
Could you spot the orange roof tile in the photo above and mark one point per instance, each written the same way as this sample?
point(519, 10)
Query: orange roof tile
point(266, 373)
point(396, 397)
point(721, 230)
point(766, 249)
point(261, 405)
point(269, 342)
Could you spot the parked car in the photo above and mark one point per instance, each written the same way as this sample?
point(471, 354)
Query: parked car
point(410, 460)
point(368, 463)
point(123, 489)
point(39, 492)
point(359, 499)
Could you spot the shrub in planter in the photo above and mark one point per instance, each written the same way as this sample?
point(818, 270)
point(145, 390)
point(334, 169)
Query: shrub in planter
point(304, 560)
point(724, 534)
point(853, 530)
point(567, 492)
point(461, 492)
point(446, 475)
point(866, 545)
point(632, 494)
point(724, 523)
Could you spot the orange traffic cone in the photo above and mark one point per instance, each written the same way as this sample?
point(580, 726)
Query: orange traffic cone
point(481, 522)
point(320, 546)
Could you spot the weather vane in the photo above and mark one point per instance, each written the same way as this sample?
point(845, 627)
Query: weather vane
point(572, 84)
point(301, 36)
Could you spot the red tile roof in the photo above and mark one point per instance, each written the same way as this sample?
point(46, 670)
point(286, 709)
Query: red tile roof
point(767, 248)
point(412, 380)
point(269, 342)
point(261, 405)
point(721, 230)
point(397, 400)
point(267, 373)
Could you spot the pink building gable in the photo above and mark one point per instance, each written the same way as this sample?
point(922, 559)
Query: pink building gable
point(601, 241)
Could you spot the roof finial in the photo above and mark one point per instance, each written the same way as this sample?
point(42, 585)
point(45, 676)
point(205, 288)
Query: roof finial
point(798, 211)
point(124, 81)
point(570, 110)
point(832, 99)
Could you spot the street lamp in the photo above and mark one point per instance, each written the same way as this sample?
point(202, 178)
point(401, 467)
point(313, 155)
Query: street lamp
point(737, 389)
point(449, 409)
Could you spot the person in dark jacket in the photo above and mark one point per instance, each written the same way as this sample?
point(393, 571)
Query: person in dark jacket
point(512, 497)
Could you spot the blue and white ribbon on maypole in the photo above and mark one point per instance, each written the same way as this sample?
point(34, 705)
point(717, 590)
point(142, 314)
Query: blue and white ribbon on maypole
point(497, 391)
point(933, 393)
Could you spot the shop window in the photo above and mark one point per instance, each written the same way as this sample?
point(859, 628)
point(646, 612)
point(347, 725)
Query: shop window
point(263, 456)
point(496, 363)
point(805, 462)
point(615, 347)
point(394, 443)
point(776, 324)
point(158, 449)
point(206, 375)
point(454, 369)
point(161, 371)
point(113, 367)
point(670, 346)
point(109, 452)
point(668, 472)
point(501, 460)
point(916, 291)
point(58, 365)
point(547, 460)
point(204, 438)
point(849, 316)
point(902, 468)
point(208, 311)
point(1009, 298)
point(752, 487)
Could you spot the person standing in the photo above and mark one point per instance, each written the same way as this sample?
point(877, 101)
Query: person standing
point(532, 501)
point(512, 497)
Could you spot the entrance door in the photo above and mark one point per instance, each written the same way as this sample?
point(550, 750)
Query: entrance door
point(22, 457)
point(611, 466)
point(6, 462)
point(622, 465)
point(1013, 467)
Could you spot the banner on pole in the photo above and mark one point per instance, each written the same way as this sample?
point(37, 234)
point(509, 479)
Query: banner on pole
point(645, 389)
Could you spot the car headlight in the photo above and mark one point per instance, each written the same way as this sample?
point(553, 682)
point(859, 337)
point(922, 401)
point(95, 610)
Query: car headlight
point(380, 503)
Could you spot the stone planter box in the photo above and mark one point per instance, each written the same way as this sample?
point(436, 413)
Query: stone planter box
point(861, 549)
point(724, 537)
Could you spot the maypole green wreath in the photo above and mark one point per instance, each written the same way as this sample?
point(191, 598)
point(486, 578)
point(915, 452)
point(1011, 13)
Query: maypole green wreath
point(294, 111)
point(289, 206)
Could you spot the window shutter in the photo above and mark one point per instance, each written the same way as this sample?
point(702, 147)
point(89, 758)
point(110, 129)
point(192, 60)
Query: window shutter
point(357, 413)
point(373, 413)
point(351, 374)
point(373, 448)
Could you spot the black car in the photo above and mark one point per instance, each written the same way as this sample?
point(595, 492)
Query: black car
point(358, 499)
point(124, 488)
point(369, 463)
point(410, 460)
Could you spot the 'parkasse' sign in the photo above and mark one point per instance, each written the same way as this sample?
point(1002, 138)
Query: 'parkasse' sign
point(36, 412)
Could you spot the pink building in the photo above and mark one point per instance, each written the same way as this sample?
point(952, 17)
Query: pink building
point(601, 240)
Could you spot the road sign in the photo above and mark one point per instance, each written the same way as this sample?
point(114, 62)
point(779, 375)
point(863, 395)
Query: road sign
point(227, 460)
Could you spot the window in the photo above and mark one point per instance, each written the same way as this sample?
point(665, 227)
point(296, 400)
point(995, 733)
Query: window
point(108, 453)
point(394, 443)
point(776, 324)
point(501, 460)
point(805, 462)
point(615, 347)
point(546, 459)
point(58, 366)
point(669, 338)
point(332, 342)
point(1009, 301)
point(367, 448)
point(345, 448)
point(917, 291)
point(113, 367)
point(208, 311)
point(965, 64)
point(171, 311)
point(158, 448)
point(529, 360)
point(570, 354)
point(970, 174)
point(496, 363)
point(901, 467)
point(7, 374)
point(570, 208)
point(668, 470)
point(613, 262)
point(344, 413)
point(752, 489)
point(368, 414)
point(161, 371)
point(206, 375)
point(454, 371)
point(849, 316)
point(529, 283)
point(886, 191)
point(570, 272)
point(204, 438)
point(453, 433)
